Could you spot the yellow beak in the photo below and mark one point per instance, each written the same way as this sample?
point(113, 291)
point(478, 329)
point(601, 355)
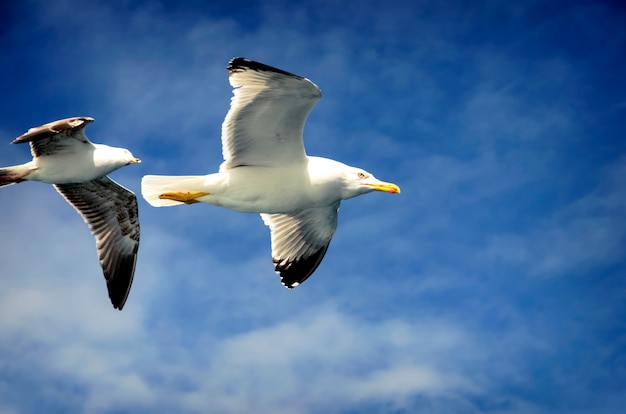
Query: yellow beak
point(135, 160)
point(386, 187)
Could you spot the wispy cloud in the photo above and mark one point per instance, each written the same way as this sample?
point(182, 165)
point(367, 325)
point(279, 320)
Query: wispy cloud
point(492, 283)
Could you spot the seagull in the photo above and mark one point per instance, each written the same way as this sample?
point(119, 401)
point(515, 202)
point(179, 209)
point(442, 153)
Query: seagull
point(266, 170)
point(64, 157)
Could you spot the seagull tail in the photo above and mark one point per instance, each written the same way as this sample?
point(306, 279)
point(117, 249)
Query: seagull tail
point(153, 186)
point(14, 175)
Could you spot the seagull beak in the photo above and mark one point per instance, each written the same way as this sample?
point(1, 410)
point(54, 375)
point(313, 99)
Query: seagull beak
point(386, 187)
point(135, 160)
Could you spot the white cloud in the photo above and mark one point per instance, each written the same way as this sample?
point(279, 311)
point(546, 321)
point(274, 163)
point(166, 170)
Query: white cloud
point(324, 358)
point(415, 304)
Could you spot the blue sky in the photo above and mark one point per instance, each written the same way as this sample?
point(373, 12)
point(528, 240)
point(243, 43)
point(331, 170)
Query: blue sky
point(495, 283)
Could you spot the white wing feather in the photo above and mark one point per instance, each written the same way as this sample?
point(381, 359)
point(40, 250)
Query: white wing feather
point(267, 114)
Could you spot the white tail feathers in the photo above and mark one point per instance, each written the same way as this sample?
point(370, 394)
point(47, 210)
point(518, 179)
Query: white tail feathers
point(152, 186)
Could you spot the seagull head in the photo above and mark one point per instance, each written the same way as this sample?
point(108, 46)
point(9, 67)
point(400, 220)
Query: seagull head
point(358, 181)
point(130, 158)
point(113, 157)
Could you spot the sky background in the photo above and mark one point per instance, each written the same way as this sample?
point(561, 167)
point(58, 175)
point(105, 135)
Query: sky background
point(495, 283)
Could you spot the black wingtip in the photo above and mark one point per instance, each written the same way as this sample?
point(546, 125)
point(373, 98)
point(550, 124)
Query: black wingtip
point(239, 64)
point(120, 285)
point(292, 274)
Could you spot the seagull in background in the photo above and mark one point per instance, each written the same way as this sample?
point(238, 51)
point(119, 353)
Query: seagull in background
point(64, 157)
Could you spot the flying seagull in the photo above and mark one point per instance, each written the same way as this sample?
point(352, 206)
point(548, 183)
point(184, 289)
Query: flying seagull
point(64, 157)
point(266, 170)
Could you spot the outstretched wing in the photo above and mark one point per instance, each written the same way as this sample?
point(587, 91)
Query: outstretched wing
point(300, 241)
point(112, 214)
point(56, 137)
point(267, 114)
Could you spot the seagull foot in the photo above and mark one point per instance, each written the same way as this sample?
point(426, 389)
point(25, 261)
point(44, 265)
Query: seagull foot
point(183, 196)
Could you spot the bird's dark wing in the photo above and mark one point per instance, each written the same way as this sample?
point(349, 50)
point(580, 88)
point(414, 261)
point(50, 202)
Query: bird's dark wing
point(112, 214)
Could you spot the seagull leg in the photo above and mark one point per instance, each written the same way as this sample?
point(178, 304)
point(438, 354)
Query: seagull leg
point(183, 196)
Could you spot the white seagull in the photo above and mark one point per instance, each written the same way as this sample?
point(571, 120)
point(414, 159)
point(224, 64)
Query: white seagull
point(64, 157)
point(266, 170)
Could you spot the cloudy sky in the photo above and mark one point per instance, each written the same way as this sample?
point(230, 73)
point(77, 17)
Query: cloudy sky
point(495, 283)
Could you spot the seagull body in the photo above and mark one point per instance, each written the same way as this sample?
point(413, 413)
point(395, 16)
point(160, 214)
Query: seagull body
point(266, 170)
point(245, 190)
point(64, 156)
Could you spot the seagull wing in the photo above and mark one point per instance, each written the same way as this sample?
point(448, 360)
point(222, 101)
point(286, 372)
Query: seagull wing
point(300, 241)
point(112, 214)
point(267, 114)
point(56, 137)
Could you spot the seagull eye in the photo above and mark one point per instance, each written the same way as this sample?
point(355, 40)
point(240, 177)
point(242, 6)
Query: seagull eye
point(361, 175)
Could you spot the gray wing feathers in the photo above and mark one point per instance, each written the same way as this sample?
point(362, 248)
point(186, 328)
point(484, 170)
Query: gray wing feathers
point(300, 241)
point(56, 137)
point(111, 212)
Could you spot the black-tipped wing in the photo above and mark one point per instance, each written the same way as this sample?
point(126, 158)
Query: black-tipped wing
point(267, 114)
point(300, 241)
point(112, 214)
point(56, 137)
